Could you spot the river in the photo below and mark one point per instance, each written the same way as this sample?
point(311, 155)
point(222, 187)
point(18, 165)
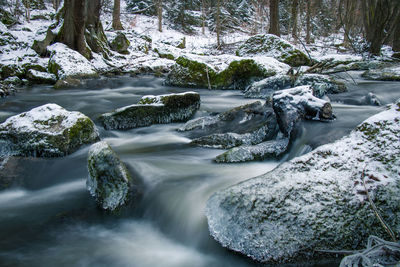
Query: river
point(47, 217)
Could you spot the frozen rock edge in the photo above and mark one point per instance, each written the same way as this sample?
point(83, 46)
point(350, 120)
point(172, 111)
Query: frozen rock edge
point(109, 181)
point(46, 131)
point(317, 200)
point(153, 110)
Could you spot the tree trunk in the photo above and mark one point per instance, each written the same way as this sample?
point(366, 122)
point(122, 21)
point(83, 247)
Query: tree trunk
point(274, 17)
point(295, 8)
point(73, 30)
point(116, 24)
point(218, 28)
point(396, 36)
point(378, 15)
point(95, 36)
point(308, 22)
point(203, 17)
point(159, 14)
point(28, 10)
point(56, 4)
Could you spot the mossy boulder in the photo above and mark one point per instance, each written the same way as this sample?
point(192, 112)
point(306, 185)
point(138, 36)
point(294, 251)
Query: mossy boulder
point(318, 200)
point(120, 43)
point(35, 76)
point(47, 131)
point(273, 46)
point(238, 74)
point(65, 62)
point(153, 110)
point(109, 181)
point(383, 74)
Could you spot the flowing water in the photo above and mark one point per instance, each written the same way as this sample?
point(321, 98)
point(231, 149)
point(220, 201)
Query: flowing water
point(47, 217)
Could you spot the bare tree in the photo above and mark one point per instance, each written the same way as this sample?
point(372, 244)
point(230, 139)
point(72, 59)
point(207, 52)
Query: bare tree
point(274, 17)
point(308, 22)
point(159, 10)
point(116, 23)
point(218, 26)
point(203, 17)
point(295, 12)
point(56, 4)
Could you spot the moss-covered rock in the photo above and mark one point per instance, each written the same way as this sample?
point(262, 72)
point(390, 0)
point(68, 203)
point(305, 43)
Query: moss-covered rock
point(35, 76)
point(273, 46)
point(65, 62)
point(109, 181)
point(238, 74)
point(153, 110)
point(383, 74)
point(47, 131)
point(120, 43)
point(318, 200)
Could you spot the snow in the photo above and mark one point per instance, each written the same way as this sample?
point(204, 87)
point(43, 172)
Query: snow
point(70, 62)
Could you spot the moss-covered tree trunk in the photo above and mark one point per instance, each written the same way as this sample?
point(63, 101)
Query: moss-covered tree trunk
point(72, 32)
point(274, 17)
point(396, 36)
point(81, 29)
point(116, 24)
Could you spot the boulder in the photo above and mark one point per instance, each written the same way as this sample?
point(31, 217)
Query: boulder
point(41, 77)
point(266, 87)
point(261, 151)
point(272, 46)
point(229, 140)
point(65, 62)
point(383, 74)
point(47, 131)
point(371, 99)
point(191, 72)
point(318, 200)
point(248, 124)
point(321, 84)
point(153, 110)
point(109, 181)
point(120, 43)
point(295, 104)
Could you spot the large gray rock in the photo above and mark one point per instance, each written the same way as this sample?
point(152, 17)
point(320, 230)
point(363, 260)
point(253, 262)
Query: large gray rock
point(109, 181)
point(261, 151)
point(248, 124)
point(47, 131)
point(316, 201)
point(321, 85)
point(153, 110)
point(273, 46)
point(293, 105)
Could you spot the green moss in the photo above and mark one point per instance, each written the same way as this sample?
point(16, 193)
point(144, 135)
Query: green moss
point(296, 58)
point(239, 74)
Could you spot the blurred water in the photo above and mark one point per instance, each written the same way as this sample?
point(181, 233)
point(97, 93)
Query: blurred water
point(47, 217)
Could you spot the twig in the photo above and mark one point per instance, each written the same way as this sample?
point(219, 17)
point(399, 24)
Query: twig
point(385, 226)
point(305, 48)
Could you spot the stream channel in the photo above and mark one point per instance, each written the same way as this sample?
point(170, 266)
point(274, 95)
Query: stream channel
point(47, 217)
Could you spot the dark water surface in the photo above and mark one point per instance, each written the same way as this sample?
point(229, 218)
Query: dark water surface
point(47, 217)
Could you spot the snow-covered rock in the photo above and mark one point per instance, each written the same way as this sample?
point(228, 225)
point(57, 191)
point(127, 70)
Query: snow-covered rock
point(47, 131)
point(272, 46)
point(120, 43)
point(109, 181)
point(295, 104)
point(316, 201)
point(261, 151)
point(41, 77)
point(222, 72)
point(321, 85)
point(384, 74)
point(153, 110)
point(65, 62)
point(266, 87)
